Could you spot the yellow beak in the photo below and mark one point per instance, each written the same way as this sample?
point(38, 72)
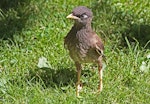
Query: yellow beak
point(71, 16)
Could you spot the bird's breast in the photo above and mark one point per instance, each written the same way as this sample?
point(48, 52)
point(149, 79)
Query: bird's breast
point(80, 48)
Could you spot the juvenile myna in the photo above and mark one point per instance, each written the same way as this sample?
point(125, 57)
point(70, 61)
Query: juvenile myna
point(84, 44)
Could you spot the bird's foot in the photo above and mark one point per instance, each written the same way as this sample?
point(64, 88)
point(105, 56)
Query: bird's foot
point(98, 91)
point(79, 97)
point(78, 88)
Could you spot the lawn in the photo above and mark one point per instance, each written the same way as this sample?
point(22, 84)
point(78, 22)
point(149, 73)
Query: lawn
point(36, 69)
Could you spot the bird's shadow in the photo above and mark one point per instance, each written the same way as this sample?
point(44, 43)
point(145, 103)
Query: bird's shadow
point(57, 77)
point(53, 77)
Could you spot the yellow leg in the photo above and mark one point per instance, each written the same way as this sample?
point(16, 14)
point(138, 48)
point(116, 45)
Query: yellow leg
point(78, 84)
point(100, 87)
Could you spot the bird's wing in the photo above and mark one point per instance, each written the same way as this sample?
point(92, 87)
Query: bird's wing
point(99, 48)
point(98, 45)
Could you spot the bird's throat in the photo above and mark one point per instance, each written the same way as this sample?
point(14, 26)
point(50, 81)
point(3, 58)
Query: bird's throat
point(79, 26)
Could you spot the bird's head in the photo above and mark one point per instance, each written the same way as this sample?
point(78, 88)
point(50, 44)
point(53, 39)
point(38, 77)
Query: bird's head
point(82, 15)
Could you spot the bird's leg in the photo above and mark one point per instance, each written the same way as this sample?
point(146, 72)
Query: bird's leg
point(78, 84)
point(100, 71)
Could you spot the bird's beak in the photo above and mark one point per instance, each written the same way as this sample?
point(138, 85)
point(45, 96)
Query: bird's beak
point(71, 16)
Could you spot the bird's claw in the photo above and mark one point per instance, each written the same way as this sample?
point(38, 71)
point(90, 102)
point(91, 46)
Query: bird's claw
point(97, 92)
point(78, 88)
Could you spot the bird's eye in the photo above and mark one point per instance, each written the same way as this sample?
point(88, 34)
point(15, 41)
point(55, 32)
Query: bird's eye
point(84, 16)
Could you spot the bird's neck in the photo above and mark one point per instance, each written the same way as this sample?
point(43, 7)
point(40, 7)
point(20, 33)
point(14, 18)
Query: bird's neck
point(78, 26)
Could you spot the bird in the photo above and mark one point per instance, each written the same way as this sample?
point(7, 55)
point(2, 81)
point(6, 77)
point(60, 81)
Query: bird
point(83, 44)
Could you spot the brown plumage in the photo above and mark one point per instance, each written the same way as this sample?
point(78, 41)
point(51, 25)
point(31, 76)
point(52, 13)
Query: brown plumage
point(83, 43)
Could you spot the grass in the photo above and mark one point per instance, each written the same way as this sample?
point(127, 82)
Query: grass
point(37, 30)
